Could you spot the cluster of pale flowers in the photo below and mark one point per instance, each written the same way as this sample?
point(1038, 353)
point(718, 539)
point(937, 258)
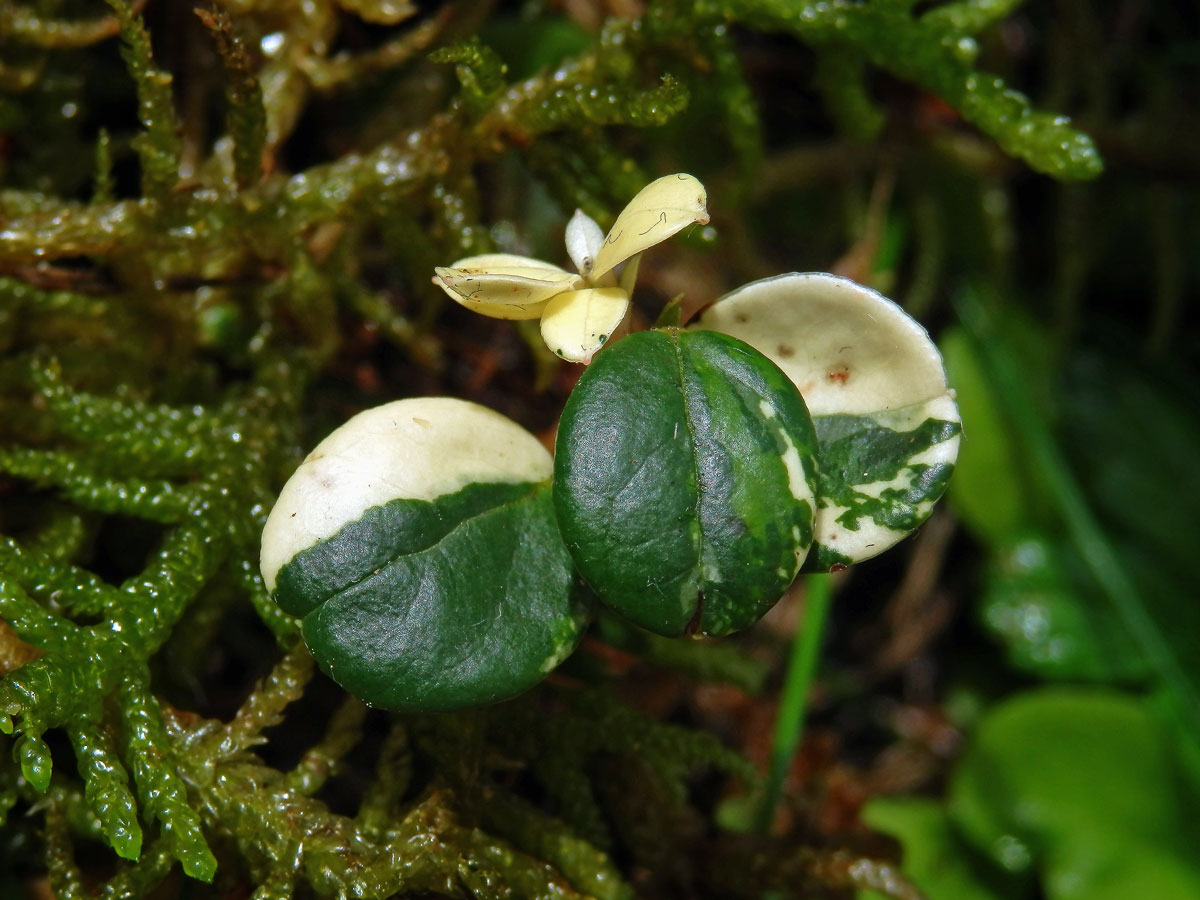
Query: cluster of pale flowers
point(580, 310)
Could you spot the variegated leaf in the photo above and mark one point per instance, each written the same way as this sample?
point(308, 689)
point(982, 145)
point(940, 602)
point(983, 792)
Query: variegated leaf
point(887, 425)
point(684, 481)
point(418, 544)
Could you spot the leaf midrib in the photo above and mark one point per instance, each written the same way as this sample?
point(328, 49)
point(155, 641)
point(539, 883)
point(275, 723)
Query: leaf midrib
point(432, 545)
point(703, 540)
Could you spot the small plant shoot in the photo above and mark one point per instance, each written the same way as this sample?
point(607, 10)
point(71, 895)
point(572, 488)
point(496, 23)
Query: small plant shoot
point(804, 423)
point(418, 545)
point(579, 312)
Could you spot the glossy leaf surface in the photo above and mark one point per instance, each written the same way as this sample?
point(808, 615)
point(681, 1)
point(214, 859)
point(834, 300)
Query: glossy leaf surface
point(887, 425)
point(418, 543)
point(684, 481)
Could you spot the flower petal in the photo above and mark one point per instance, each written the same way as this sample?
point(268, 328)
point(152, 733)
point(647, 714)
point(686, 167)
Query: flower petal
point(504, 286)
point(513, 311)
point(576, 324)
point(629, 274)
point(660, 209)
point(584, 239)
point(511, 264)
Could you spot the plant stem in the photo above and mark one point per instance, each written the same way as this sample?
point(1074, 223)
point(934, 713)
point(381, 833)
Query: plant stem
point(802, 666)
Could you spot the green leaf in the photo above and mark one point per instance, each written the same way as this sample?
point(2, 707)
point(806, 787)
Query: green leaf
point(1131, 430)
point(480, 71)
point(935, 54)
point(880, 477)
point(1166, 642)
point(161, 789)
point(1081, 787)
point(529, 45)
point(418, 543)
point(873, 380)
point(1040, 602)
point(936, 857)
point(246, 118)
point(991, 487)
point(159, 147)
point(672, 314)
point(684, 481)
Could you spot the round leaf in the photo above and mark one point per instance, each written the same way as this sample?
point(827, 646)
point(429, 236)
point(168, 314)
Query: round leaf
point(419, 546)
point(684, 481)
point(887, 425)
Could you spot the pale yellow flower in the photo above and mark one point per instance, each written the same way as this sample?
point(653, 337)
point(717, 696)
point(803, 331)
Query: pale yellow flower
point(578, 311)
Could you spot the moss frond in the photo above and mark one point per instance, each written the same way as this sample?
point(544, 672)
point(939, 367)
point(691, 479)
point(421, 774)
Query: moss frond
point(936, 51)
point(245, 120)
point(159, 148)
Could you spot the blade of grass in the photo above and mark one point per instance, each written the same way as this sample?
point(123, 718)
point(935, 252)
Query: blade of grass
point(1099, 554)
point(793, 704)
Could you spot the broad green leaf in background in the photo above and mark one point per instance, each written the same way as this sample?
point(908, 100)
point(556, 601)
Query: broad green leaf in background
point(1039, 600)
point(1163, 625)
point(684, 481)
point(887, 426)
point(992, 487)
point(936, 857)
point(1036, 596)
point(419, 547)
point(528, 44)
point(1083, 788)
point(1132, 431)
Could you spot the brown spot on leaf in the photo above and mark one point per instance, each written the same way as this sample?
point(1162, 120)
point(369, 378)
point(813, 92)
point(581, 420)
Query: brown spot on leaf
point(838, 374)
point(786, 350)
